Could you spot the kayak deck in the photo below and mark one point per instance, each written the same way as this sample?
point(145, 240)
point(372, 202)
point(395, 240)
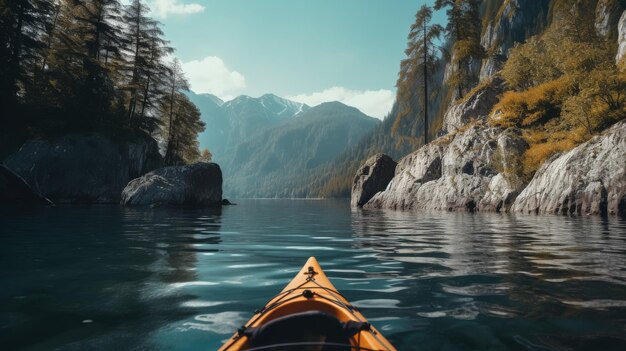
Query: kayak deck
point(308, 314)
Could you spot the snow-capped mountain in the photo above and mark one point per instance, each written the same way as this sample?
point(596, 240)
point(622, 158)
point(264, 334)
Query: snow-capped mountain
point(231, 122)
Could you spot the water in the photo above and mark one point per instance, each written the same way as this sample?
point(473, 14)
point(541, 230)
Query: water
point(104, 277)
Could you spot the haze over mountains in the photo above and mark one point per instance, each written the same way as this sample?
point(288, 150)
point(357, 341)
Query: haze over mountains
point(267, 142)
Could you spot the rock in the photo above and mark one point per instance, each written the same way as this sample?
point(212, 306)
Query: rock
point(476, 106)
point(16, 193)
point(199, 184)
point(504, 187)
point(606, 17)
point(621, 42)
point(513, 22)
point(373, 176)
point(92, 168)
point(589, 179)
point(452, 173)
point(225, 202)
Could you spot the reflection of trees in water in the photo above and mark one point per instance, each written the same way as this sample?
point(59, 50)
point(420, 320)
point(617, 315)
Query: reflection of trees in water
point(541, 264)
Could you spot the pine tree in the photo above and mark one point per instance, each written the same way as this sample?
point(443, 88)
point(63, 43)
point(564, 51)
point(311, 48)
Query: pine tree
point(20, 41)
point(85, 58)
point(415, 71)
point(146, 48)
point(181, 119)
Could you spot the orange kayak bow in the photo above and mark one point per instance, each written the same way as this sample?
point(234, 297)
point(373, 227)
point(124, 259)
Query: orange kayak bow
point(309, 314)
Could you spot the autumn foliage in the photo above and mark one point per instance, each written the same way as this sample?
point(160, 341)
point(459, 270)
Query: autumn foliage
point(565, 87)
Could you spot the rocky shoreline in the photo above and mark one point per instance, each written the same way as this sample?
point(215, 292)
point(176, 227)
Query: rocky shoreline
point(99, 169)
point(467, 171)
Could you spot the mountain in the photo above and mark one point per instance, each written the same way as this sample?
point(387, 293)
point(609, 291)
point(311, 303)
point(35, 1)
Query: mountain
point(228, 123)
point(273, 162)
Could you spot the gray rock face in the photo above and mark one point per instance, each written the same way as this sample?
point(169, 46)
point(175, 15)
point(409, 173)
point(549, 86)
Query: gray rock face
point(621, 41)
point(606, 17)
point(15, 193)
point(515, 21)
point(475, 107)
point(589, 179)
point(199, 184)
point(373, 176)
point(90, 168)
point(453, 173)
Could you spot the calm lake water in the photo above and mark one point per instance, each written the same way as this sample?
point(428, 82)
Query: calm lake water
point(104, 277)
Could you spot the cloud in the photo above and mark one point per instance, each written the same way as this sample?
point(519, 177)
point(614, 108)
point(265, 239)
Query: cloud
point(375, 103)
point(210, 75)
point(163, 8)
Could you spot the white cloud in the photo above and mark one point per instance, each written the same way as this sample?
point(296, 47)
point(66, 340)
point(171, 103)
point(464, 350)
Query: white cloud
point(210, 75)
point(163, 8)
point(375, 103)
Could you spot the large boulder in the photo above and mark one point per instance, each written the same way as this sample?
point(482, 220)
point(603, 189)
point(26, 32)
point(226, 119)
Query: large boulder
point(90, 168)
point(16, 193)
point(455, 173)
point(589, 179)
point(475, 106)
point(196, 185)
point(372, 177)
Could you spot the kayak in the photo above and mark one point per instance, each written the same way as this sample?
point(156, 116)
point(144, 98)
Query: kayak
point(309, 314)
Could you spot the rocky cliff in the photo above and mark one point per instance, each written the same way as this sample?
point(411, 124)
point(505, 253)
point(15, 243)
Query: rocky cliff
point(464, 171)
point(590, 179)
point(91, 168)
point(474, 170)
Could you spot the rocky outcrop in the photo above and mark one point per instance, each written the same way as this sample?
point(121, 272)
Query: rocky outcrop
point(476, 106)
point(16, 193)
point(512, 22)
point(621, 42)
point(607, 16)
point(454, 173)
point(373, 176)
point(91, 168)
point(589, 179)
point(199, 184)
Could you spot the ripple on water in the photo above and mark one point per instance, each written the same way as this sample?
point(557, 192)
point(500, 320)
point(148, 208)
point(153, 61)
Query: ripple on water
point(220, 323)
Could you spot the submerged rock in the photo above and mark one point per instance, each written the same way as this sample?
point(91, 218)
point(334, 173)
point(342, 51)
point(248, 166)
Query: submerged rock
point(91, 168)
point(372, 177)
point(199, 184)
point(589, 179)
point(16, 193)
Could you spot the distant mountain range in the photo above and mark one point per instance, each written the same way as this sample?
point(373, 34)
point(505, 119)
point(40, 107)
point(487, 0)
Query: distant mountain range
point(228, 123)
point(267, 145)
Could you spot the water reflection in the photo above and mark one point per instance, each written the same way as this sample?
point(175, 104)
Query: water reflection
point(536, 272)
point(96, 274)
point(152, 279)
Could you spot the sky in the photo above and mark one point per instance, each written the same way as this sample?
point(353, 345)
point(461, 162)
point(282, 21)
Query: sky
point(309, 51)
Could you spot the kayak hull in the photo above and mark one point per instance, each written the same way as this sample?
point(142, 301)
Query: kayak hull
point(311, 290)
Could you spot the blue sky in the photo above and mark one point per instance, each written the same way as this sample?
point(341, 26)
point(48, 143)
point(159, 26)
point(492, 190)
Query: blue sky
point(310, 51)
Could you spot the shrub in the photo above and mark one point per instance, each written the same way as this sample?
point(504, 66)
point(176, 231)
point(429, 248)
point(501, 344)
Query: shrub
point(531, 107)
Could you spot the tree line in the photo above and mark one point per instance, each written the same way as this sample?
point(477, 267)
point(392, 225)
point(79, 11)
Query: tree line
point(93, 65)
point(426, 53)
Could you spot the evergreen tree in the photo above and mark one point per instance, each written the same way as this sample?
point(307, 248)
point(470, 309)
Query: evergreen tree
point(181, 120)
point(20, 42)
point(415, 71)
point(146, 48)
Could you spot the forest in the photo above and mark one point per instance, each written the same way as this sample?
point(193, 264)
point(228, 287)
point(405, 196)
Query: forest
point(92, 66)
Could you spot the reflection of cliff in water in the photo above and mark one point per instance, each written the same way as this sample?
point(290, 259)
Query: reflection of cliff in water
point(177, 239)
point(518, 258)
